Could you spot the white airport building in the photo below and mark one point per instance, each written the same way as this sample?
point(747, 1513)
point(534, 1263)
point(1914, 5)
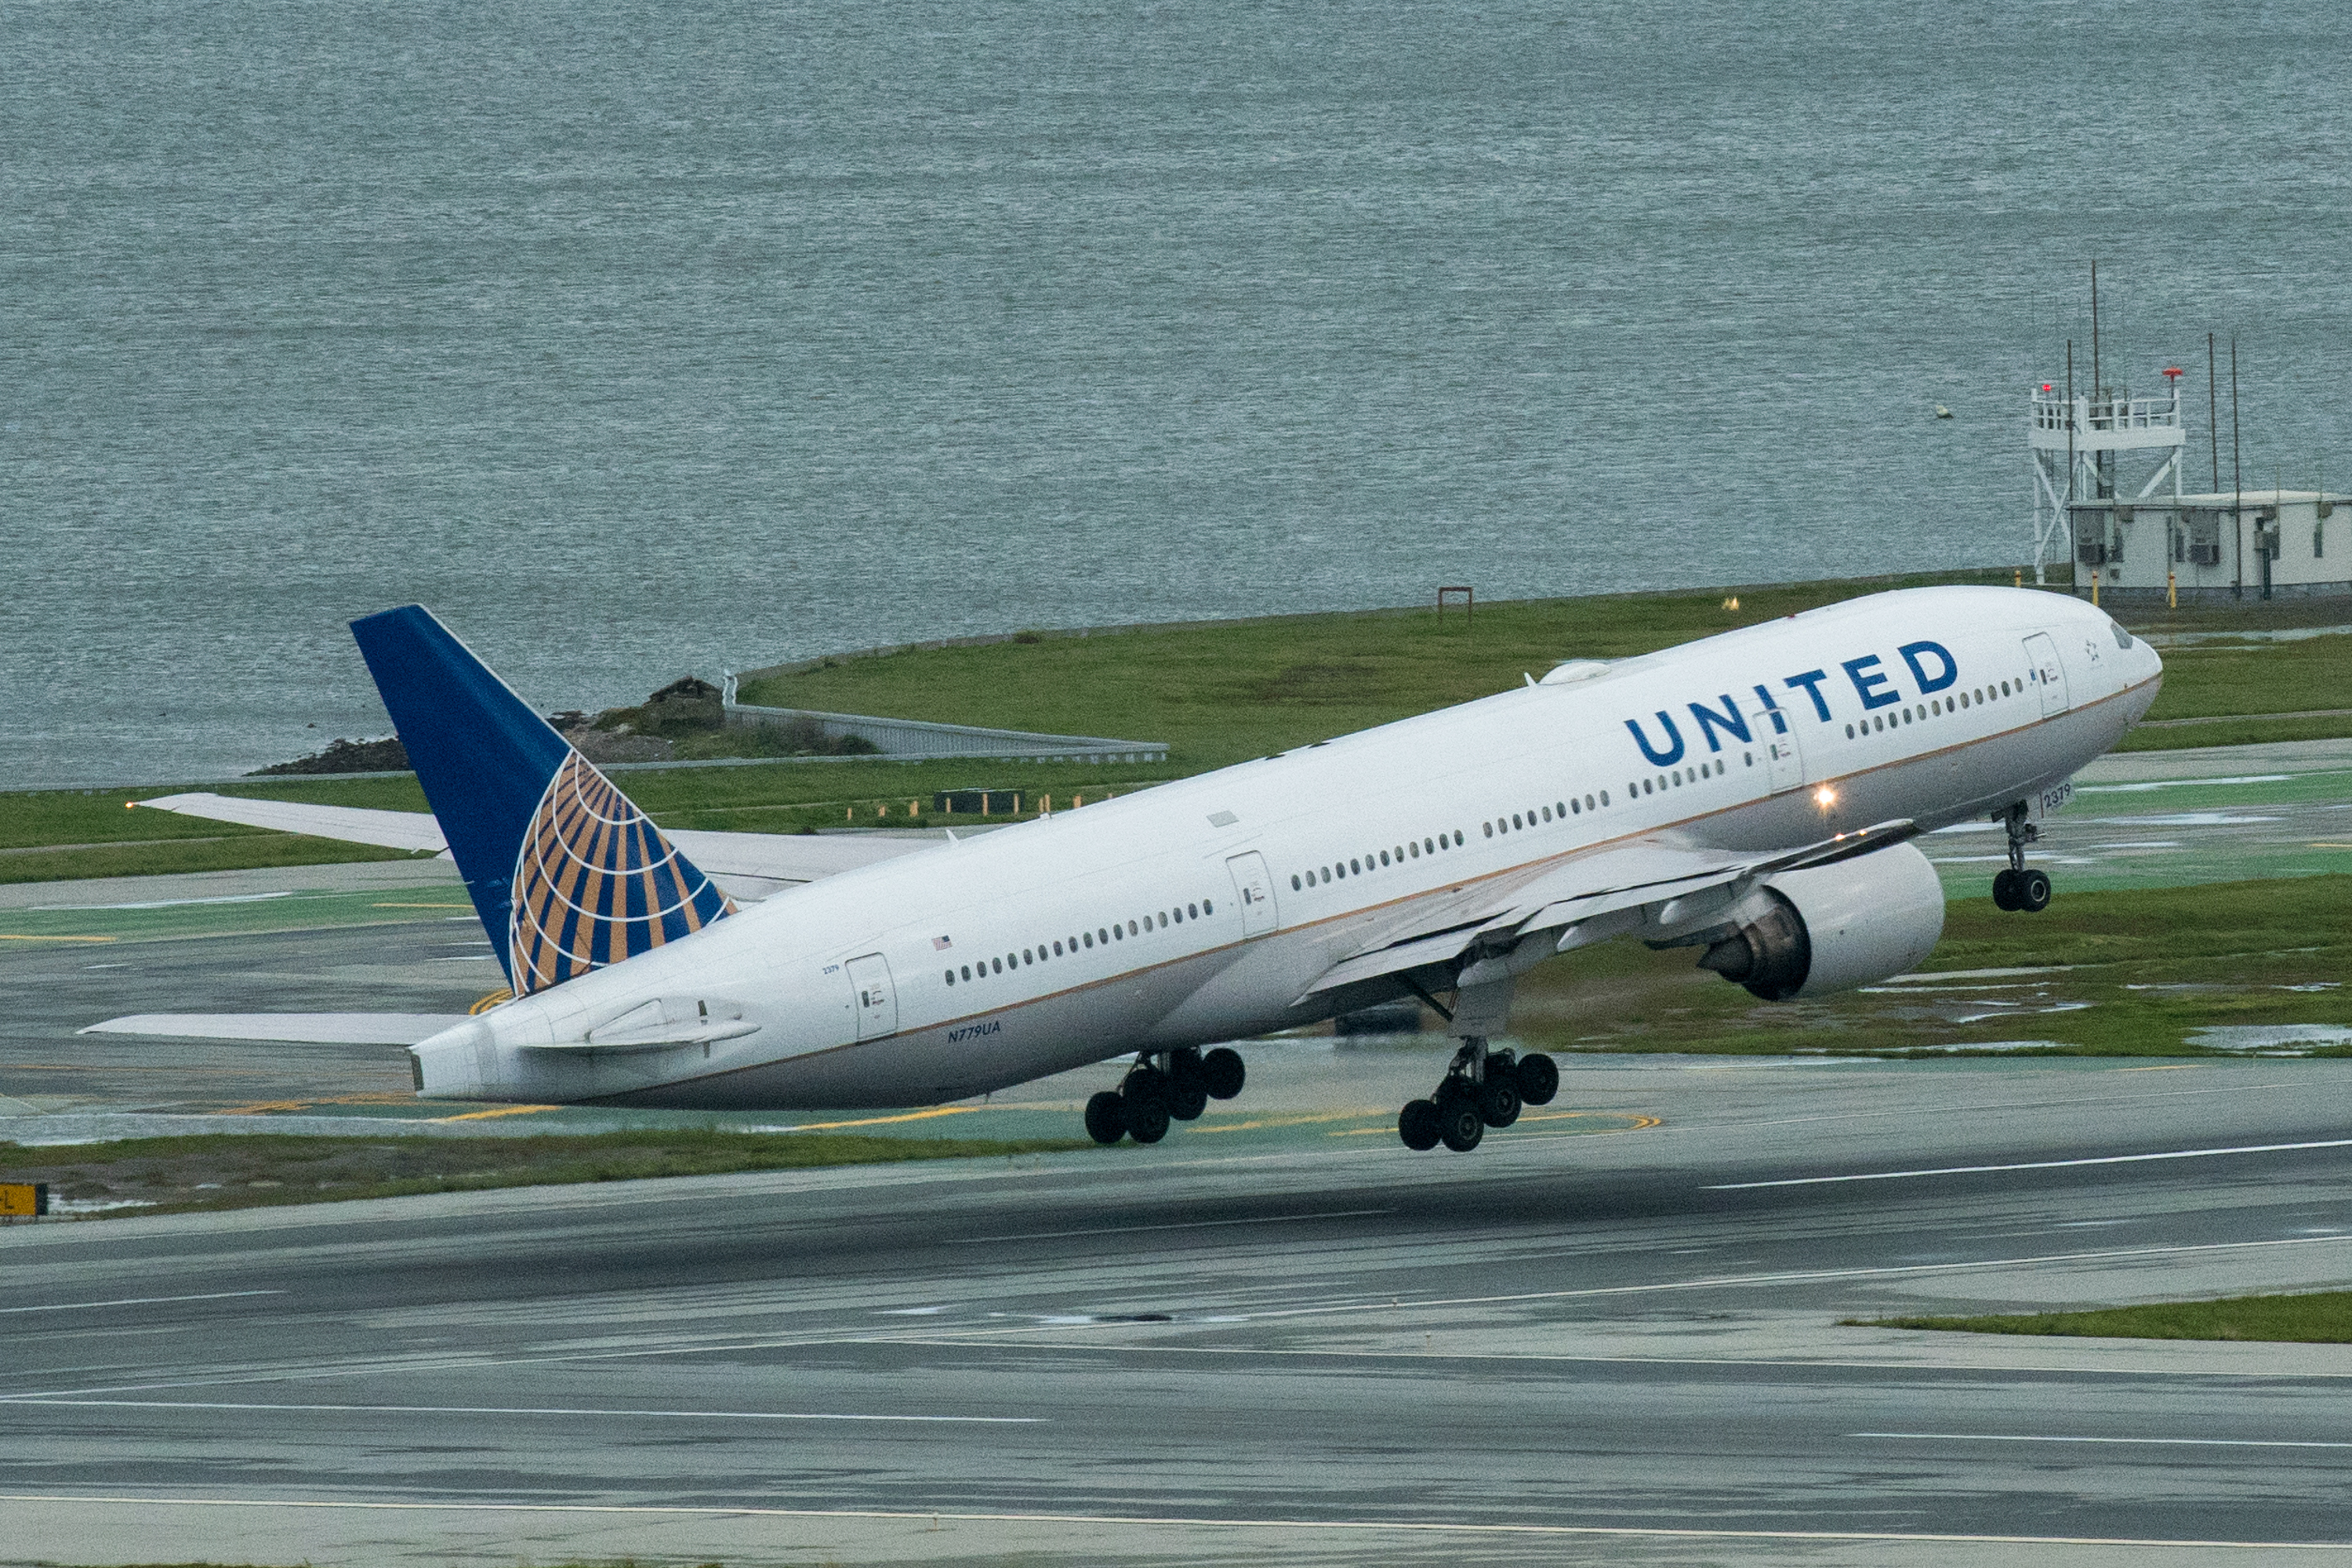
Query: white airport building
point(2155, 540)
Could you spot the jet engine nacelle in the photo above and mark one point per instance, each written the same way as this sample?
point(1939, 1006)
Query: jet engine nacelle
point(1834, 927)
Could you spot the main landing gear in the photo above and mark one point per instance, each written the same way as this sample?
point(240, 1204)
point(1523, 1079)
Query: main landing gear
point(2018, 888)
point(1171, 1086)
point(1483, 1089)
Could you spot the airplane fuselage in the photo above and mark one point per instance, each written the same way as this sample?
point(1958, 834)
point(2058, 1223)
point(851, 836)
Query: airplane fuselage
point(1205, 909)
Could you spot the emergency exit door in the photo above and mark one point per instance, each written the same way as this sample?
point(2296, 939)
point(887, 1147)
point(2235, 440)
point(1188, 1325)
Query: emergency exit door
point(1254, 889)
point(2048, 673)
point(878, 1003)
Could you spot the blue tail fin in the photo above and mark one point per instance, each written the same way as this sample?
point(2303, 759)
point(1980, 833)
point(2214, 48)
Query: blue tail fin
point(566, 873)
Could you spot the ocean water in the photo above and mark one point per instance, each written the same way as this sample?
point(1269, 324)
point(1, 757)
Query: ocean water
point(638, 339)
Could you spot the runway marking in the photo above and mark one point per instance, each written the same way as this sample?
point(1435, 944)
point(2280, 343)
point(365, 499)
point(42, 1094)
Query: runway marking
point(1691, 1126)
point(418, 906)
point(12, 936)
point(882, 1121)
point(2141, 1442)
point(141, 1301)
point(1188, 1521)
point(494, 1115)
point(1184, 1225)
point(525, 1410)
point(2031, 1165)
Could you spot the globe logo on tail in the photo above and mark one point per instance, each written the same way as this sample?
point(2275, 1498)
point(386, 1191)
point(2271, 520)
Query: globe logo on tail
point(595, 882)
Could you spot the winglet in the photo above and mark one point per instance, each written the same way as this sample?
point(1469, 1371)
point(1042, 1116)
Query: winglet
point(566, 873)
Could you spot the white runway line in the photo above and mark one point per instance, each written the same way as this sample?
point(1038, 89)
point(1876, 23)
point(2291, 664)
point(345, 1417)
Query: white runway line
point(141, 1301)
point(1184, 1521)
point(527, 1410)
point(2031, 1165)
point(1185, 1225)
point(2129, 1442)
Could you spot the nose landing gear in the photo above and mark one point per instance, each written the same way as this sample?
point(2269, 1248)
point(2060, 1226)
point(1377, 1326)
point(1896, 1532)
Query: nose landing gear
point(1482, 1088)
point(2019, 889)
point(1164, 1088)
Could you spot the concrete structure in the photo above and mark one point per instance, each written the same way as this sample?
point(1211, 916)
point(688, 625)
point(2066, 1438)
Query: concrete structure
point(2250, 544)
point(913, 739)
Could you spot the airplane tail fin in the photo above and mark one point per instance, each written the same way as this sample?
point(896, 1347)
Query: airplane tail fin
point(567, 874)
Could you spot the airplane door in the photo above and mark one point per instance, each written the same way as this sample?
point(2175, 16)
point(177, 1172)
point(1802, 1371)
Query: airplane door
point(2048, 673)
point(1780, 758)
point(1256, 890)
point(878, 1003)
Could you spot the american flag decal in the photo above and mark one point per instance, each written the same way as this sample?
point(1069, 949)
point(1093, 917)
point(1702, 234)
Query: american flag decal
point(595, 882)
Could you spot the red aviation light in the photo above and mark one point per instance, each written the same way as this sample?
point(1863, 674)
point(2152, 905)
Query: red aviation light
point(2045, 386)
point(2173, 372)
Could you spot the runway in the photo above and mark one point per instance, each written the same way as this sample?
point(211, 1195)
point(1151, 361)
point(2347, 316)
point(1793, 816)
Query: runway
point(1338, 1352)
point(1611, 1334)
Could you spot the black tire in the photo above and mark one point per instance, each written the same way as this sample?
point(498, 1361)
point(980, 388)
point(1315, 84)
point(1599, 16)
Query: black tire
point(1417, 1125)
point(1498, 1102)
point(1145, 1083)
point(1223, 1072)
point(1459, 1125)
point(2004, 889)
point(1539, 1077)
point(2032, 893)
point(1106, 1117)
point(1187, 1097)
point(1147, 1119)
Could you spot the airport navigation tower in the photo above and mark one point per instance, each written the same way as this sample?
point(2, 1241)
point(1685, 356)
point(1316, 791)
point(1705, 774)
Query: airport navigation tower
point(2079, 445)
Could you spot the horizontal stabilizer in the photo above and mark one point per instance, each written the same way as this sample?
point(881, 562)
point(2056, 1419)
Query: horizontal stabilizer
point(753, 864)
point(304, 1029)
point(346, 824)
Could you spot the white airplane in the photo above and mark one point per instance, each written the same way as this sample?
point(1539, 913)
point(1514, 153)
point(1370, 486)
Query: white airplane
point(1749, 796)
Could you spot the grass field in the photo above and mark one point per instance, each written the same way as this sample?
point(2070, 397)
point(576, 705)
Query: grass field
point(2317, 1318)
point(228, 1171)
point(1215, 693)
point(2137, 973)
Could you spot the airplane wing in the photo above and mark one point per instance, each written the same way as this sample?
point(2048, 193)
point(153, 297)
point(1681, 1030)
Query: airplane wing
point(1672, 886)
point(746, 866)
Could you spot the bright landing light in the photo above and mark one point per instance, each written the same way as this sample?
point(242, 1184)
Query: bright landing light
point(1825, 797)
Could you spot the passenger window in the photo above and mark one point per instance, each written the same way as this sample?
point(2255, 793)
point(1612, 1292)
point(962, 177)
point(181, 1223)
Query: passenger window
point(967, 972)
point(1132, 929)
point(950, 976)
point(1490, 827)
point(1457, 838)
point(1191, 912)
point(1577, 806)
point(1058, 950)
point(1384, 857)
point(1294, 881)
point(1163, 920)
point(1088, 939)
point(1605, 797)
point(1025, 957)
point(1414, 850)
point(1207, 908)
point(997, 964)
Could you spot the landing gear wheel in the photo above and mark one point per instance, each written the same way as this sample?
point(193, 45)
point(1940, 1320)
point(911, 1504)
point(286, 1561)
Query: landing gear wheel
point(1223, 1071)
point(1498, 1102)
point(1147, 1118)
point(1459, 1125)
point(1538, 1078)
point(1188, 1088)
point(2032, 891)
point(2004, 889)
point(1187, 1097)
point(1106, 1117)
point(1417, 1125)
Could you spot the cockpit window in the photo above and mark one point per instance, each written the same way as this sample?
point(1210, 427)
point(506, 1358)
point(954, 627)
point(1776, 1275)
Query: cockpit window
point(2123, 637)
